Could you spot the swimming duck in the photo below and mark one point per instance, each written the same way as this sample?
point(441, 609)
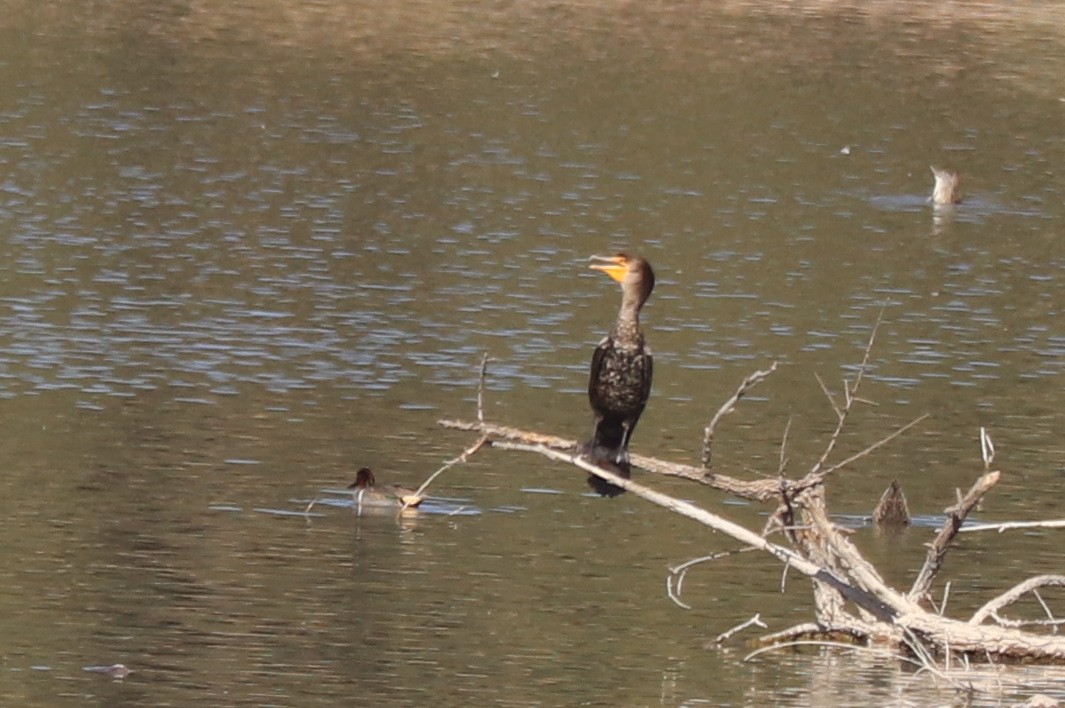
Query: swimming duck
point(367, 491)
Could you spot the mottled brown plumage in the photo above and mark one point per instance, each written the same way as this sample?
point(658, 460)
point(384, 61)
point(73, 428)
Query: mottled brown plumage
point(620, 379)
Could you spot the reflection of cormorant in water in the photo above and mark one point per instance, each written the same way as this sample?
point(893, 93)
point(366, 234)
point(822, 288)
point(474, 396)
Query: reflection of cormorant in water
point(947, 187)
point(620, 380)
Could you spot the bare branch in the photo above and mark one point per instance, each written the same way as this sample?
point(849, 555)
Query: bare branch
point(798, 631)
point(852, 600)
point(480, 387)
point(675, 595)
point(849, 391)
point(987, 449)
point(937, 551)
point(1013, 594)
point(681, 571)
point(783, 464)
point(1010, 525)
point(754, 490)
point(828, 395)
point(708, 434)
point(681, 507)
point(724, 636)
point(463, 456)
point(814, 478)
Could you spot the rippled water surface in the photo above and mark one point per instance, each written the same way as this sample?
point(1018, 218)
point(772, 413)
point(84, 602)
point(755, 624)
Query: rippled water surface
point(246, 249)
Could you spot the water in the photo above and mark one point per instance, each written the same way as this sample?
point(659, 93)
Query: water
point(248, 249)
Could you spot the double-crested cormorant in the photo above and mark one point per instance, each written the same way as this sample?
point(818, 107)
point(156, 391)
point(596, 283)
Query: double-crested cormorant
point(620, 380)
point(367, 491)
point(946, 189)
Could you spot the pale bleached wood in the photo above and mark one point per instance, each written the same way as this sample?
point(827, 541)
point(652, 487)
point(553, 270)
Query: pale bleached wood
point(1007, 598)
point(841, 575)
point(956, 516)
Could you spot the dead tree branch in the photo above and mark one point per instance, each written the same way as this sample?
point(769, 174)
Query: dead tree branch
point(1011, 525)
point(849, 396)
point(708, 434)
point(937, 551)
point(852, 599)
point(992, 607)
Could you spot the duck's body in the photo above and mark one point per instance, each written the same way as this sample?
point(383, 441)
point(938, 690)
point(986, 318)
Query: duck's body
point(366, 491)
point(947, 187)
point(619, 383)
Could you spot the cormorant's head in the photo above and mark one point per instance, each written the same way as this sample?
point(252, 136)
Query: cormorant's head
point(632, 272)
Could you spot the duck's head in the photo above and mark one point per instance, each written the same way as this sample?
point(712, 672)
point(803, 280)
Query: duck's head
point(363, 479)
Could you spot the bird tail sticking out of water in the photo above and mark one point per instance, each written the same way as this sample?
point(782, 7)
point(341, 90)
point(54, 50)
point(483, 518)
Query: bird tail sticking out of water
point(947, 187)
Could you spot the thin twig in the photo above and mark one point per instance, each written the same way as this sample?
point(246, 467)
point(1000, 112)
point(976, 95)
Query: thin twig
point(849, 391)
point(468, 452)
point(1050, 615)
point(876, 445)
point(673, 595)
point(814, 477)
point(946, 597)
point(927, 661)
point(782, 465)
point(681, 571)
point(746, 385)
point(828, 395)
point(987, 449)
point(463, 456)
point(480, 387)
point(755, 621)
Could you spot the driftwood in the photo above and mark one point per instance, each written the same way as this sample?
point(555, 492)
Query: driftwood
point(851, 598)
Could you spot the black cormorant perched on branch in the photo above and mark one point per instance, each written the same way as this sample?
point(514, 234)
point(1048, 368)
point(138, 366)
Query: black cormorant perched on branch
point(620, 380)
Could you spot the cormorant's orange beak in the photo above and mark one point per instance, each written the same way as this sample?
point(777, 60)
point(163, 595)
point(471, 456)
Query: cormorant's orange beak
point(614, 266)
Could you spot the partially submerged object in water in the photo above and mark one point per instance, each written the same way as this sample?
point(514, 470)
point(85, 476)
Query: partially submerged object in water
point(947, 187)
point(892, 511)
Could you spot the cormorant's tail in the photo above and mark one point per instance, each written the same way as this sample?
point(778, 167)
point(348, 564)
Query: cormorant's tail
point(604, 488)
point(607, 449)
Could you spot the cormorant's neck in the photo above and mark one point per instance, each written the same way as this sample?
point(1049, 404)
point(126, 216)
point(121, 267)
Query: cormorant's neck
point(627, 327)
